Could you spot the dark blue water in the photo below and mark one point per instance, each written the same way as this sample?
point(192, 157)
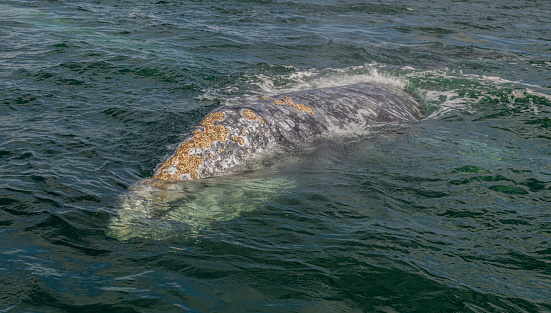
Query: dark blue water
point(451, 214)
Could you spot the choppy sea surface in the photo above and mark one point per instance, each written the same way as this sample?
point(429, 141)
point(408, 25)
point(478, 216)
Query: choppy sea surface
point(448, 214)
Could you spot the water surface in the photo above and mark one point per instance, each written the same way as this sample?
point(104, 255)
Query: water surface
point(450, 214)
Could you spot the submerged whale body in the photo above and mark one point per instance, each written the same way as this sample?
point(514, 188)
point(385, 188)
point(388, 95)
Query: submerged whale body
point(230, 135)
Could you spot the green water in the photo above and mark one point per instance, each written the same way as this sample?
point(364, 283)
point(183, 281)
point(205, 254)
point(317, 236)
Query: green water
point(450, 214)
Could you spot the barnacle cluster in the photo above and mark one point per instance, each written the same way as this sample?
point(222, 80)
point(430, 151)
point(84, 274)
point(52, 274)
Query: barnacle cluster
point(183, 162)
point(287, 100)
point(250, 115)
point(238, 139)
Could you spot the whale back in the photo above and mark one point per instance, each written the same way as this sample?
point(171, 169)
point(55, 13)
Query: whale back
point(230, 135)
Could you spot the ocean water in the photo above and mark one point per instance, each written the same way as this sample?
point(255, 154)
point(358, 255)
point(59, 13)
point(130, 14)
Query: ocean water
point(448, 214)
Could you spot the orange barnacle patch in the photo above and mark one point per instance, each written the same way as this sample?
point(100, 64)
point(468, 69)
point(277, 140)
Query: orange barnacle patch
point(250, 115)
point(185, 163)
point(287, 100)
point(239, 140)
point(277, 101)
point(249, 151)
point(298, 106)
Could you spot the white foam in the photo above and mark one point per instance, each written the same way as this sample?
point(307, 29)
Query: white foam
point(457, 91)
point(253, 86)
point(312, 79)
point(466, 92)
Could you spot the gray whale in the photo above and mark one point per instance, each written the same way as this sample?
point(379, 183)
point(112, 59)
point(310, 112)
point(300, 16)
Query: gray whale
point(230, 135)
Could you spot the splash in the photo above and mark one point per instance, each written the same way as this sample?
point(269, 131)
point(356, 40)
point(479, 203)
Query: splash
point(440, 92)
point(446, 92)
point(253, 86)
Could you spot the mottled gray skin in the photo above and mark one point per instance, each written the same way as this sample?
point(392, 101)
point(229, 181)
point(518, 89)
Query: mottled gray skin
point(308, 113)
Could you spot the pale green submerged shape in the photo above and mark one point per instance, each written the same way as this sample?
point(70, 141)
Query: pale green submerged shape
point(160, 210)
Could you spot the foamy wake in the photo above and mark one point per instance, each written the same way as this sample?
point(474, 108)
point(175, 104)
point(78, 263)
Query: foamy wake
point(440, 92)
